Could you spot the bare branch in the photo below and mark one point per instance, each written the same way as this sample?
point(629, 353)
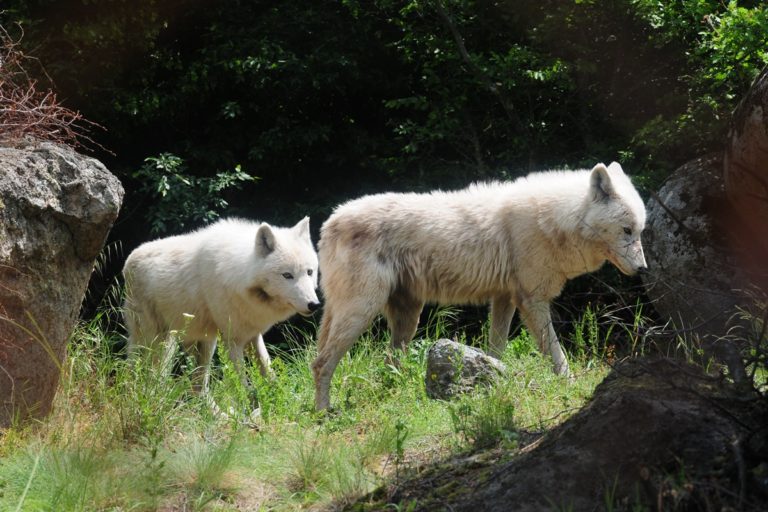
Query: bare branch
point(27, 113)
point(479, 73)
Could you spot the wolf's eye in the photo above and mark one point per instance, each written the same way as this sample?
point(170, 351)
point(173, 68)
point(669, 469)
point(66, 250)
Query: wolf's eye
point(287, 275)
point(627, 231)
point(309, 272)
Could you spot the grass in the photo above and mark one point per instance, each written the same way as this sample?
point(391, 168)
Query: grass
point(129, 437)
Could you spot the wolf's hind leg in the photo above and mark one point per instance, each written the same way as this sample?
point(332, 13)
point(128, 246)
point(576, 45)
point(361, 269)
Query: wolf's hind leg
point(338, 332)
point(502, 311)
point(402, 313)
point(146, 330)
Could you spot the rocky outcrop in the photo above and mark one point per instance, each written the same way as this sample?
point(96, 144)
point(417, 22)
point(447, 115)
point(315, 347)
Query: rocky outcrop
point(706, 238)
point(56, 208)
point(693, 278)
point(657, 435)
point(454, 368)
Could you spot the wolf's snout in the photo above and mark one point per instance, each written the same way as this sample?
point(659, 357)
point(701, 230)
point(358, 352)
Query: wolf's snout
point(313, 306)
point(642, 270)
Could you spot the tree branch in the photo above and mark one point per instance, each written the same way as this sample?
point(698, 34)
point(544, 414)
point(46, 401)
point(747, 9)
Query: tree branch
point(476, 70)
point(27, 113)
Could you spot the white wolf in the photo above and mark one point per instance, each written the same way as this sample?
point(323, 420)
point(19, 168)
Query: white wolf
point(234, 277)
point(511, 244)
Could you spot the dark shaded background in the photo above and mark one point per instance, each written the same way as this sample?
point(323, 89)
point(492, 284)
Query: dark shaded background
point(326, 100)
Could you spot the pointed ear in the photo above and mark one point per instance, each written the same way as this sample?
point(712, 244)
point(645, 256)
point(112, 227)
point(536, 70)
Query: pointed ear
point(265, 240)
point(600, 185)
point(615, 167)
point(302, 228)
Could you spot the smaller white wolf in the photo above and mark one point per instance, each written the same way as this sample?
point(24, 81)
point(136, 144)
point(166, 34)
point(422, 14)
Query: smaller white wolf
point(511, 244)
point(234, 277)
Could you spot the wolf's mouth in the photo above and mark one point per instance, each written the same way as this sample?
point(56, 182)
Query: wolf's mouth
point(619, 264)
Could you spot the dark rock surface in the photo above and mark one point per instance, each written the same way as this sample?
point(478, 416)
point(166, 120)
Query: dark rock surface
point(693, 278)
point(746, 180)
point(658, 435)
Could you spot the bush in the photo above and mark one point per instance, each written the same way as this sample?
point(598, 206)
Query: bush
point(184, 200)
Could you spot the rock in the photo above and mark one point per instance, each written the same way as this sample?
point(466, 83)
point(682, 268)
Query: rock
point(694, 279)
point(746, 180)
point(657, 434)
point(691, 277)
point(453, 368)
point(56, 208)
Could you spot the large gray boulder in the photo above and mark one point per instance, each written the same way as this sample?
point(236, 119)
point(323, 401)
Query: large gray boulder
point(56, 208)
point(693, 278)
point(454, 368)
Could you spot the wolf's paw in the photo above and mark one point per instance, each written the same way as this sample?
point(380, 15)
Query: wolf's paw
point(253, 419)
point(562, 370)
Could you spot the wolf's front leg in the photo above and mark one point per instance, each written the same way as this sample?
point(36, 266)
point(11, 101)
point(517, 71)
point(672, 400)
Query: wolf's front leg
point(236, 355)
point(236, 351)
point(203, 353)
point(265, 361)
point(537, 318)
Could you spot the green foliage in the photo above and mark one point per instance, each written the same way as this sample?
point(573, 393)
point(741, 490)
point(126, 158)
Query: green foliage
point(752, 328)
point(522, 345)
point(728, 41)
point(181, 200)
point(591, 335)
point(735, 49)
point(466, 112)
point(144, 399)
point(204, 462)
point(486, 418)
point(724, 50)
point(414, 94)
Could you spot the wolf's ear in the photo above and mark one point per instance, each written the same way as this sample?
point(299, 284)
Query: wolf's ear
point(265, 240)
point(600, 184)
point(615, 167)
point(302, 228)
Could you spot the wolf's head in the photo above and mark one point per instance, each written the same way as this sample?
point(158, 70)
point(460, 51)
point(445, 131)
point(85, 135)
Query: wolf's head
point(287, 275)
point(615, 218)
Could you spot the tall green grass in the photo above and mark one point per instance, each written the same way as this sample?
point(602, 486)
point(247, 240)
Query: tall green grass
point(131, 436)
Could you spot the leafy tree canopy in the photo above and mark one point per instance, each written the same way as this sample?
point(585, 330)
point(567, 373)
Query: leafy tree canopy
point(327, 100)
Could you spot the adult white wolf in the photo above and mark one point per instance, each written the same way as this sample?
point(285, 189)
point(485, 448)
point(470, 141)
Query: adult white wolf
point(234, 277)
point(511, 244)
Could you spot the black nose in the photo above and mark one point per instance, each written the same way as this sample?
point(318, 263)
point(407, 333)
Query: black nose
point(313, 306)
point(642, 270)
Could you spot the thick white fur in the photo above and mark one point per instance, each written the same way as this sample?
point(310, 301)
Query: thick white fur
point(512, 244)
point(228, 278)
